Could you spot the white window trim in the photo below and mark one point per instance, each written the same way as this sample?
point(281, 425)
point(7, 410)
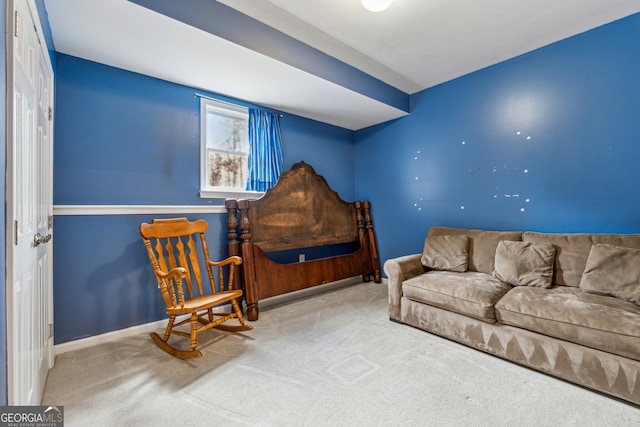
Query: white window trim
point(206, 102)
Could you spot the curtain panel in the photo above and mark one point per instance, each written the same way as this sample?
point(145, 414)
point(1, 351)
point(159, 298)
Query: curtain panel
point(265, 150)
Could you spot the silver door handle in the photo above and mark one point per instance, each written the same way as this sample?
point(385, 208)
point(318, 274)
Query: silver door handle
point(38, 238)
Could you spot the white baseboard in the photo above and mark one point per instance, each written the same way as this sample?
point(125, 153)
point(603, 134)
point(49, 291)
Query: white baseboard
point(109, 336)
point(161, 324)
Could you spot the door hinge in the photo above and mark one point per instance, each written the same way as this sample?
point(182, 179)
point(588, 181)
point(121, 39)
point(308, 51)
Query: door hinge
point(50, 113)
point(15, 232)
point(16, 24)
point(50, 222)
point(50, 330)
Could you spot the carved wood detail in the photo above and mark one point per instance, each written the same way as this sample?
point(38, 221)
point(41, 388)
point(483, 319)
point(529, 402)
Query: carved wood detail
point(301, 211)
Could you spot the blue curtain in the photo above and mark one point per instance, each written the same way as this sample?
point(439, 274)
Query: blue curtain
point(265, 150)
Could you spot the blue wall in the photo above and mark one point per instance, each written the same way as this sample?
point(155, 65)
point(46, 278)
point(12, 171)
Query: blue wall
point(3, 218)
point(126, 139)
point(115, 127)
point(547, 141)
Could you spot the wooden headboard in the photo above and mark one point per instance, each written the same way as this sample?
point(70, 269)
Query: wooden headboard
point(301, 211)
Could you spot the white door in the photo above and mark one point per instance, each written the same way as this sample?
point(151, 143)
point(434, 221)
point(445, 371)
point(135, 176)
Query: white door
point(29, 207)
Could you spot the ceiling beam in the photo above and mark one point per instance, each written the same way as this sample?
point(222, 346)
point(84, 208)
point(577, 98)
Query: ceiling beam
point(227, 23)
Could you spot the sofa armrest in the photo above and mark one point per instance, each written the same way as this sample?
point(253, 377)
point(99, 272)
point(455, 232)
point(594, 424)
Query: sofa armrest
point(398, 270)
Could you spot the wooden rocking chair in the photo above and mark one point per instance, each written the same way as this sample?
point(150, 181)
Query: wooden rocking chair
point(176, 263)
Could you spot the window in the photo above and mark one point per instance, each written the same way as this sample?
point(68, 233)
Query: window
point(241, 149)
point(224, 143)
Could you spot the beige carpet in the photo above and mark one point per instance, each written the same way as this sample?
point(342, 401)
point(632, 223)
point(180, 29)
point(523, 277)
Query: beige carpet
point(333, 359)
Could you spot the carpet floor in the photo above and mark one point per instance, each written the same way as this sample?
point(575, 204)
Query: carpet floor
point(331, 359)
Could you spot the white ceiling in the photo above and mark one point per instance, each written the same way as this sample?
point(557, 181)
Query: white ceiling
point(413, 45)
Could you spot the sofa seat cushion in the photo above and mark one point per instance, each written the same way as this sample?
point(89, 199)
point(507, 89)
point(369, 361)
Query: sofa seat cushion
point(471, 293)
point(601, 322)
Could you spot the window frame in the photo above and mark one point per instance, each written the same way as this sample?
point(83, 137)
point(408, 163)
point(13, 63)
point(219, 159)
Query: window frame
point(206, 191)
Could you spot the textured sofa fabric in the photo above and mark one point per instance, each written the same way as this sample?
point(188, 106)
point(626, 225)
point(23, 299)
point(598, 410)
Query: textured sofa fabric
point(613, 270)
point(449, 253)
point(525, 263)
point(590, 339)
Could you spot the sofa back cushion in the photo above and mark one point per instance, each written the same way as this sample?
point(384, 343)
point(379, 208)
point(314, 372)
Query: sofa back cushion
point(525, 263)
point(482, 244)
point(572, 251)
point(450, 253)
point(613, 270)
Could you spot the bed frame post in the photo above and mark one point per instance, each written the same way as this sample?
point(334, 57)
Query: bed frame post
point(375, 261)
point(361, 232)
point(233, 246)
point(248, 262)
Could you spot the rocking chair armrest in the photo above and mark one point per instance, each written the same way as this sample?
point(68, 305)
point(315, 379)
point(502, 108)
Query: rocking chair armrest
point(236, 260)
point(228, 284)
point(168, 290)
point(176, 274)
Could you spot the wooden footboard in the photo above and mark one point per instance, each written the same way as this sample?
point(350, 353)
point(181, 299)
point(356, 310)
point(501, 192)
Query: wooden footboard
point(301, 211)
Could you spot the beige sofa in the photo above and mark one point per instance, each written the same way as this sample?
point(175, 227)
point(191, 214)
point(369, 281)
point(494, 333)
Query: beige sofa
point(564, 304)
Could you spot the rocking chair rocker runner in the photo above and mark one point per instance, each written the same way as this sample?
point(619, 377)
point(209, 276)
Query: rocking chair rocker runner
point(176, 264)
